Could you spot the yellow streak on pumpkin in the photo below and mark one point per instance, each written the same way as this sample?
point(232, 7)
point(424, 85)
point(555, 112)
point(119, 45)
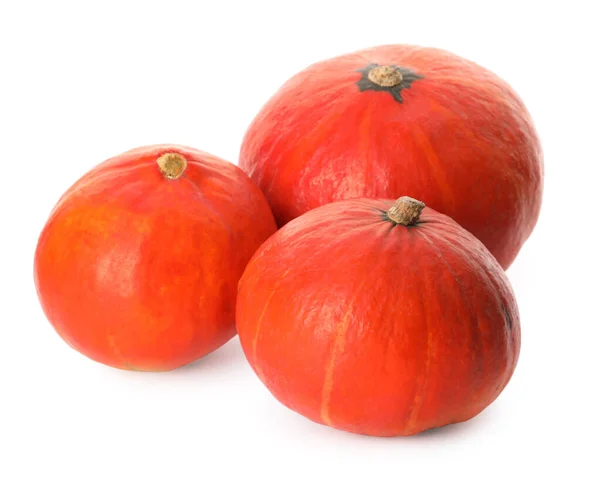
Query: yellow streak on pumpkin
point(366, 137)
point(422, 389)
point(433, 160)
point(113, 345)
point(259, 324)
point(422, 383)
point(339, 344)
point(453, 116)
point(338, 349)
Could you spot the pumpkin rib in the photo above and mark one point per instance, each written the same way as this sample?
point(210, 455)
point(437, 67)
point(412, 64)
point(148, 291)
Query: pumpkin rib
point(419, 395)
point(433, 161)
point(198, 193)
point(475, 332)
point(318, 135)
point(113, 344)
point(494, 286)
point(259, 324)
point(368, 147)
point(338, 346)
point(512, 353)
point(100, 172)
point(338, 349)
point(476, 339)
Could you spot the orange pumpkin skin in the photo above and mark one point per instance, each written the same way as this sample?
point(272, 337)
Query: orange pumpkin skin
point(450, 132)
point(376, 328)
point(139, 271)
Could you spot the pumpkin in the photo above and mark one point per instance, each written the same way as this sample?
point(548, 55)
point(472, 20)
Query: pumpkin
point(138, 264)
point(402, 120)
point(378, 318)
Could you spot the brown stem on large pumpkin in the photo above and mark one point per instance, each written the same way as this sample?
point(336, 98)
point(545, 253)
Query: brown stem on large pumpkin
point(406, 211)
point(172, 164)
point(385, 76)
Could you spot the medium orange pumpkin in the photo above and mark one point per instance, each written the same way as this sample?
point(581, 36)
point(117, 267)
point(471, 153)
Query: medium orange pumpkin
point(402, 120)
point(138, 264)
point(378, 318)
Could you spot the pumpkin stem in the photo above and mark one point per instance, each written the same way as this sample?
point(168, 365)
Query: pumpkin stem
point(385, 76)
point(172, 164)
point(406, 211)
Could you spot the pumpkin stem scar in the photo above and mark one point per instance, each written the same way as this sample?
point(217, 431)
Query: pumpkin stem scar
point(172, 164)
point(385, 76)
point(406, 211)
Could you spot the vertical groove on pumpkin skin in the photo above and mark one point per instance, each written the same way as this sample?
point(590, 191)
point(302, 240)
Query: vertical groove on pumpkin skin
point(421, 389)
point(338, 349)
point(298, 163)
point(113, 345)
point(459, 122)
point(511, 354)
point(436, 169)
point(475, 332)
point(259, 325)
point(339, 343)
point(200, 195)
point(367, 137)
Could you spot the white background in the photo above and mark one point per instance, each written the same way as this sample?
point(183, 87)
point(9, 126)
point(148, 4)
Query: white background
point(83, 81)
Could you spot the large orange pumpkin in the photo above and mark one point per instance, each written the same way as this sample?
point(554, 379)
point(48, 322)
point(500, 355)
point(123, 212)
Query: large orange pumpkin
point(402, 120)
point(138, 264)
point(378, 318)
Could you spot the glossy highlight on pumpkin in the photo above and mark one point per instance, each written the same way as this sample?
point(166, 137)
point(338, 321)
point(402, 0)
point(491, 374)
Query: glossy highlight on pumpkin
point(138, 264)
point(378, 317)
point(402, 120)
